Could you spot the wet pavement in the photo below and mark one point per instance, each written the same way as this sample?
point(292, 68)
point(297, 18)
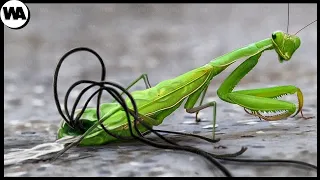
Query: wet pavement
point(162, 41)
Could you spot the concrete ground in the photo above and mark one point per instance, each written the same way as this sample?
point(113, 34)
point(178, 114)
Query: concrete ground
point(164, 41)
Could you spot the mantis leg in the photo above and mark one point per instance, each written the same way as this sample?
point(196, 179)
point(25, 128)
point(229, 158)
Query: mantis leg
point(201, 101)
point(145, 79)
point(210, 104)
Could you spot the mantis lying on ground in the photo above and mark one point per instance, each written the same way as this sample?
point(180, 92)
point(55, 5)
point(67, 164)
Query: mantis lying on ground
point(143, 109)
point(158, 102)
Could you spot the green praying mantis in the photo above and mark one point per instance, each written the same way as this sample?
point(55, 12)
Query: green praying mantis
point(158, 102)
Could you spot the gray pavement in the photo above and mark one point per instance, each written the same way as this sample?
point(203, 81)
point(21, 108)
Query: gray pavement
point(164, 41)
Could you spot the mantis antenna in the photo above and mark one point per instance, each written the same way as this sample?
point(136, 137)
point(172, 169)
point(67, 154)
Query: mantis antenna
point(301, 28)
point(288, 20)
point(306, 26)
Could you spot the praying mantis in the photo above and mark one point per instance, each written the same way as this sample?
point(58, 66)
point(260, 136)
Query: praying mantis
point(158, 102)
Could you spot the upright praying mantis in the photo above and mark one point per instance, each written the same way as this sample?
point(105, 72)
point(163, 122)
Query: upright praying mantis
point(158, 102)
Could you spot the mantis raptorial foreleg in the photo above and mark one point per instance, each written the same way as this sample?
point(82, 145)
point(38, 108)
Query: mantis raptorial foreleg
point(274, 92)
point(259, 100)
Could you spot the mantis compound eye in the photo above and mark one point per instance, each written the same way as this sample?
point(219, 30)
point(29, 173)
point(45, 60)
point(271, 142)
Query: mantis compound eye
point(274, 36)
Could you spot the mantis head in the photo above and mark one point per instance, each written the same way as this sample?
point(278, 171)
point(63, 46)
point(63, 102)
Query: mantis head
point(285, 44)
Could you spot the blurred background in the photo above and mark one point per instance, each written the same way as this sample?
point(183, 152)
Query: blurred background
point(162, 40)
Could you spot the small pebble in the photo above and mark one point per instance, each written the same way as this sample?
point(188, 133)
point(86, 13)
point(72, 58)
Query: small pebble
point(249, 123)
point(260, 132)
point(73, 155)
point(190, 122)
point(209, 126)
